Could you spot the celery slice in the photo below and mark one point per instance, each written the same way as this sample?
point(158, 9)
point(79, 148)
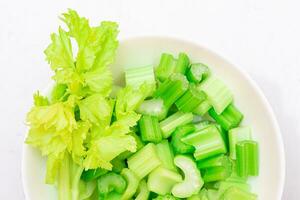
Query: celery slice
point(182, 64)
point(137, 76)
point(207, 142)
point(180, 132)
point(110, 183)
point(225, 185)
point(161, 180)
point(197, 72)
point(132, 183)
point(218, 94)
point(171, 89)
point(93, 174)
point(247, 158)
point(153, 107)
point(169, 124)
point(230, 118)
point(190, 99)
point(192, 182)
point(166, 155)
point(166, 67)
point(150, 129)
point(237, 135)
point(202, 108)
point(235, 193)
point(144, 161)
point(216, 161)
point(143, 191)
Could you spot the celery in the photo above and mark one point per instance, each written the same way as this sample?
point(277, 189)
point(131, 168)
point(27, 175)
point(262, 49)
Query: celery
point(143, 191)
point(218, 94)
point(229, 118)
point(180, 132)
point(202, 108)
point(190, 99)
point(161, 180)
point(166, 67)
point(150, 129)
point(207, 142)
point(171, 89)
point(166, 155)
point(237, 135)
point(169, 124)
point(144, 161)
point(197, 72)
point(192, 182)
point(216, 161)
point(182, 64)
point(247, 158)
point(202, 125)
point(132, 183)
point(92, 174)
point(225, 185)
point(153, 107)
point(135, 77)
point(118, 164)
point(235, 193)
point(165, 197)
point(139, 145)
point(109, 184)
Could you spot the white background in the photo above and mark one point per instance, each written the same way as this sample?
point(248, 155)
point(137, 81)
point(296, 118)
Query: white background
point(260, 36)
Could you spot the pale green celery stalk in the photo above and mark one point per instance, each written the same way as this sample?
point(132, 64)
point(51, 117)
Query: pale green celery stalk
point(247, 158)
point(207, 142)
point(197, 72)
point(137, 76)
point(169, 124)
point(225, 185)
point(144, 161)
point(86, 189)
point(150, 129)
point(143, 191)
point(216, 161)
point(230, 118)
point(183, 63)
point(172, 89)
point(166, 67)
point(218, 94)
point(166, 155)
point(76, 174)
point(153, 107)
point(202, 108)
point(192, 182)
point(111, 185)
point(190, 99)
point(235, 193)
point(132, 183)
point(161, 180)
point(236, 135)
point(180, 132)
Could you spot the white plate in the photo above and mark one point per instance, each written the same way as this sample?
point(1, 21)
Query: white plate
point(248, 97)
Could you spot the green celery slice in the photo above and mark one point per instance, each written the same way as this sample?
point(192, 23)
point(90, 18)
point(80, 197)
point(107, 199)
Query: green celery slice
point(207, 142)
point(166, 155)
point(202, 108)
point(143, 191)
point(218, 94)
point(93, 174)
point(150, 129)
point(234, 193)
point(110, 183)
point(225, 185)
point(237, 135)
point(216, 161)
point(230, 118)
point(144, 161)
point(166, 67)
point(153, 107)
point(161, 180)
point(197, 72)
point(180, 132)
point(137, 76)
point(169, 124)
point(182, 64)
point(190, 99)
point(132, 183)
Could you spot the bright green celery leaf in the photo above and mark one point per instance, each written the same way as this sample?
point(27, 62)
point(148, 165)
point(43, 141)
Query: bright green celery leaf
point(40, 100)
point(111, 142)
point(129, 99)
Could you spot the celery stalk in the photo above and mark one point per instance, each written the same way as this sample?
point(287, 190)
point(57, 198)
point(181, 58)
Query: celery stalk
point(182, 64)
point(202, 108)
point(137, 76)
point(180, 132)
point(132, 183)
point(216, 161)
point(197, 72)
point(109, 184)
point(143, 191)
point(235, 193)
point(247, 158)
point(93, 174)
point(237, 135)
point(150, 129)
point(153, 107)
point(166, 155)
point(169, 124)
point(166, 67)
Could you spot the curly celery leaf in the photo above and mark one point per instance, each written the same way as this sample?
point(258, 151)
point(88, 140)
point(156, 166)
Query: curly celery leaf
point(40, 100)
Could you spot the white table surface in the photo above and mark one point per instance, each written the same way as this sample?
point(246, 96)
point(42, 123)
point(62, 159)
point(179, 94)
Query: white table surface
point(260, 36)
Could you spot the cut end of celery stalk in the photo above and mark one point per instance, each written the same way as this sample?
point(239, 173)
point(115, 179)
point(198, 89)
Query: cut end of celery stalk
point(137, 76)
point(236, 135)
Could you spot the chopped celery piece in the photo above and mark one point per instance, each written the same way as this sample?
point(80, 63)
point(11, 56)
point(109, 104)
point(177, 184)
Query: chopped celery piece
point(230, 118)
point(182, 64)
point(190, 99)
point(169, 124)
point(234, 193)
point(180, 132)
point(92, 174)
point(143, 191)
point(135, 77)
point(202, 195)
point(144, 161)
point(150, 129)
point(132, 183)
point(166, 67)
point(247, 158)
point(213, 174)
point(216, 161)
point(166, 155)
point(86, 189)
point(110, 183)
point(171, 89)
point(237, 135)
point(118, 164)
point(212, 194)
point(224, 185)
point(153, 107)
point(192, 182)
point(161, 180)
point(207, 142)
point(197, 72)
point(218, 94)
point(202, 108)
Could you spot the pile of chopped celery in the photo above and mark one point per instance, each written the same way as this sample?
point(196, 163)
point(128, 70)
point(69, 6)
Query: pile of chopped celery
point(172, 132)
